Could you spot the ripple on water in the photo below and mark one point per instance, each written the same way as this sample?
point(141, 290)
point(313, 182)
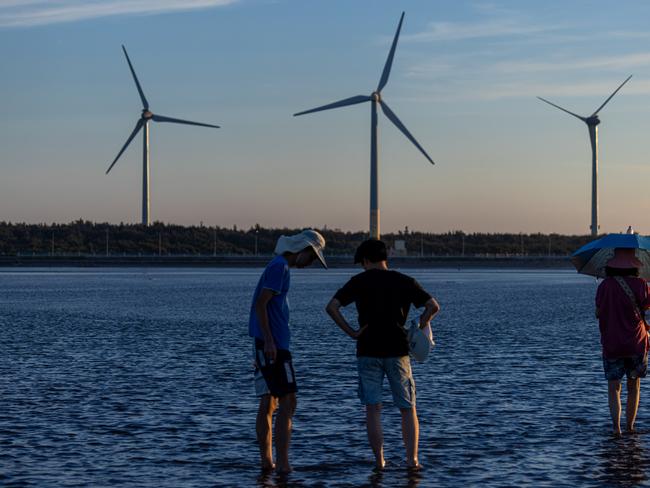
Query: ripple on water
point(144, 379)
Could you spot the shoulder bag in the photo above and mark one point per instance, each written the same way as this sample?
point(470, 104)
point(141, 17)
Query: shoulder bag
point(628, 291)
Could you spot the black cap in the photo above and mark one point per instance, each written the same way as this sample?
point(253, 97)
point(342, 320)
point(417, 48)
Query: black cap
point(373, 250)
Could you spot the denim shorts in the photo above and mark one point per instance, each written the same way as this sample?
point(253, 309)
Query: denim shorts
point(633, 367)
point(371, 378)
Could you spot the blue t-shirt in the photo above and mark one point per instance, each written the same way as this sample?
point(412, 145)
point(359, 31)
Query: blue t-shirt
point(275, 278)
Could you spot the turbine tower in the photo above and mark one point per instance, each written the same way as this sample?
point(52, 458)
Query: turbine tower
point(592, 124)
point(376, 99)
point(143, 122)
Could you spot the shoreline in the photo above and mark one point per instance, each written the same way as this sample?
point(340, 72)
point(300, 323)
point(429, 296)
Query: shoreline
point(84, 261)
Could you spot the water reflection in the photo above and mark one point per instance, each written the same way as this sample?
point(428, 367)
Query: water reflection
point(414, 478)
point(376, 478)
point(402, 477)
point(150, 382)
point(396, 477)
point(624, 461)
point(265, 480)
point(270, 479)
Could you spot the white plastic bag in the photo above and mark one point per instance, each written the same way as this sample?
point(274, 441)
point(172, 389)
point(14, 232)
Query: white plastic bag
point(420, 341)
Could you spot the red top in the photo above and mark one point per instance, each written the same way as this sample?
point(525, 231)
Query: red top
point(622, 333)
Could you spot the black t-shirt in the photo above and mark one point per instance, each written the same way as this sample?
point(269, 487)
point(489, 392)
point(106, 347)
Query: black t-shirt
point(383, 299)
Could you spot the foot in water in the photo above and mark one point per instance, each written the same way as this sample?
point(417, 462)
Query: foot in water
point(413, 466)
point(283, 470)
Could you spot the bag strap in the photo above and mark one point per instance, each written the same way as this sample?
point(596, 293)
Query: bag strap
point(628, 291)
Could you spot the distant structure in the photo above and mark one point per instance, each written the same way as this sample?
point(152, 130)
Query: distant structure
point(400, 248)
point(592, 123)
point(375, 98)
point(143, 121)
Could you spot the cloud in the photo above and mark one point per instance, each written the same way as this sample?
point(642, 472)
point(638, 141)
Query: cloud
point(625, 61)
point(27, 13)
point(456, 31)
point(468, 90)
point(484, 67)
point(548, 90)
point(628, 35)
point(480, 78)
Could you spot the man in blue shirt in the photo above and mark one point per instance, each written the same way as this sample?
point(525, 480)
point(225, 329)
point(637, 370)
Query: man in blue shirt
point(275, 381)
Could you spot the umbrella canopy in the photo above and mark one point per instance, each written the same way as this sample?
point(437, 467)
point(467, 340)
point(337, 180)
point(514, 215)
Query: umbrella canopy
point(592, 258)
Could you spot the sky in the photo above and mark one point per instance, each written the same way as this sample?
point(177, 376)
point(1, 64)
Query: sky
point(465, 79)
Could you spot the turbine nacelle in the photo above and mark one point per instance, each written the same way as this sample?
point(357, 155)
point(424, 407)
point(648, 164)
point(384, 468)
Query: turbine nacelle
point(593, 120)
point(146, 114)
point(376, 96)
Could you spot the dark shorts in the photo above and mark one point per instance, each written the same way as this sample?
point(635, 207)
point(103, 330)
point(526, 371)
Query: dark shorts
point(632, 367)
point(275, 378)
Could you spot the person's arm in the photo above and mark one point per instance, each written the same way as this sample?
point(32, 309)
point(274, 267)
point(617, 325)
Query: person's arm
point(333, 308)
point(597, 312)
point(263, 318)
point(431, 309)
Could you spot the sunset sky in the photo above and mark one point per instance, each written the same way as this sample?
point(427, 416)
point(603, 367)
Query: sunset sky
point(464, 82)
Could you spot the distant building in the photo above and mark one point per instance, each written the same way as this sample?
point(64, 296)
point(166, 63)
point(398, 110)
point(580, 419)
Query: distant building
point(399, 248)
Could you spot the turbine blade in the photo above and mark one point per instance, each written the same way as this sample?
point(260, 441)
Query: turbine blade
point(393, 118)
point(138, 126)
point(389, 60)
point(610, 97)
point(340, 103)
point(145, 104)
point(563, 109)
point(162, 118)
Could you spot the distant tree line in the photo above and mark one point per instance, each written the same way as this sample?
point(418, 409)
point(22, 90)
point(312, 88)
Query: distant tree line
point(82, 237)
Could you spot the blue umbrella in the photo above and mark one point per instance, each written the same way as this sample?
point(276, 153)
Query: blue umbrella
point(592, 258)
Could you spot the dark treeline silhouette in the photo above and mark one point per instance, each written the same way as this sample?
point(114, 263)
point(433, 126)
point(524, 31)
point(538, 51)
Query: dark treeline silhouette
point(90, 238)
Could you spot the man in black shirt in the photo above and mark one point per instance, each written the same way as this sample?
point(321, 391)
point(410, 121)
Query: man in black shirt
point(383, 299)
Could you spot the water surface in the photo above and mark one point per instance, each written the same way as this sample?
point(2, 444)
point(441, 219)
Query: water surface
point(143, 377)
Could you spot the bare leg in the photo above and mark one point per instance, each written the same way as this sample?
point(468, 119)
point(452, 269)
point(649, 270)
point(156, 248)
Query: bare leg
point(614, 397)
point(410, 435)
point(268, 404)
point(633, 393)
point(283, 431)
point(375, 433)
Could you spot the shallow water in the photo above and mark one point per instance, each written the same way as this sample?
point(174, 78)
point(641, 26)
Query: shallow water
point(143, 378)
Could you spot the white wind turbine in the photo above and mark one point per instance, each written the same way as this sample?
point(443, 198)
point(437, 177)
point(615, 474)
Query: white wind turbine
point(592, 123)
point(376, 99)
point(143, 122)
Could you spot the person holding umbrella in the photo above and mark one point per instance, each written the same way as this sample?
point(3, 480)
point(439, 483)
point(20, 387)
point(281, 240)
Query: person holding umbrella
point(621, 299)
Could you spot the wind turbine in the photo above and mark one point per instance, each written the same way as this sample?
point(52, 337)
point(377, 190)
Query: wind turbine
point(143, 122)
point(376, 99)
point(592, 123)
